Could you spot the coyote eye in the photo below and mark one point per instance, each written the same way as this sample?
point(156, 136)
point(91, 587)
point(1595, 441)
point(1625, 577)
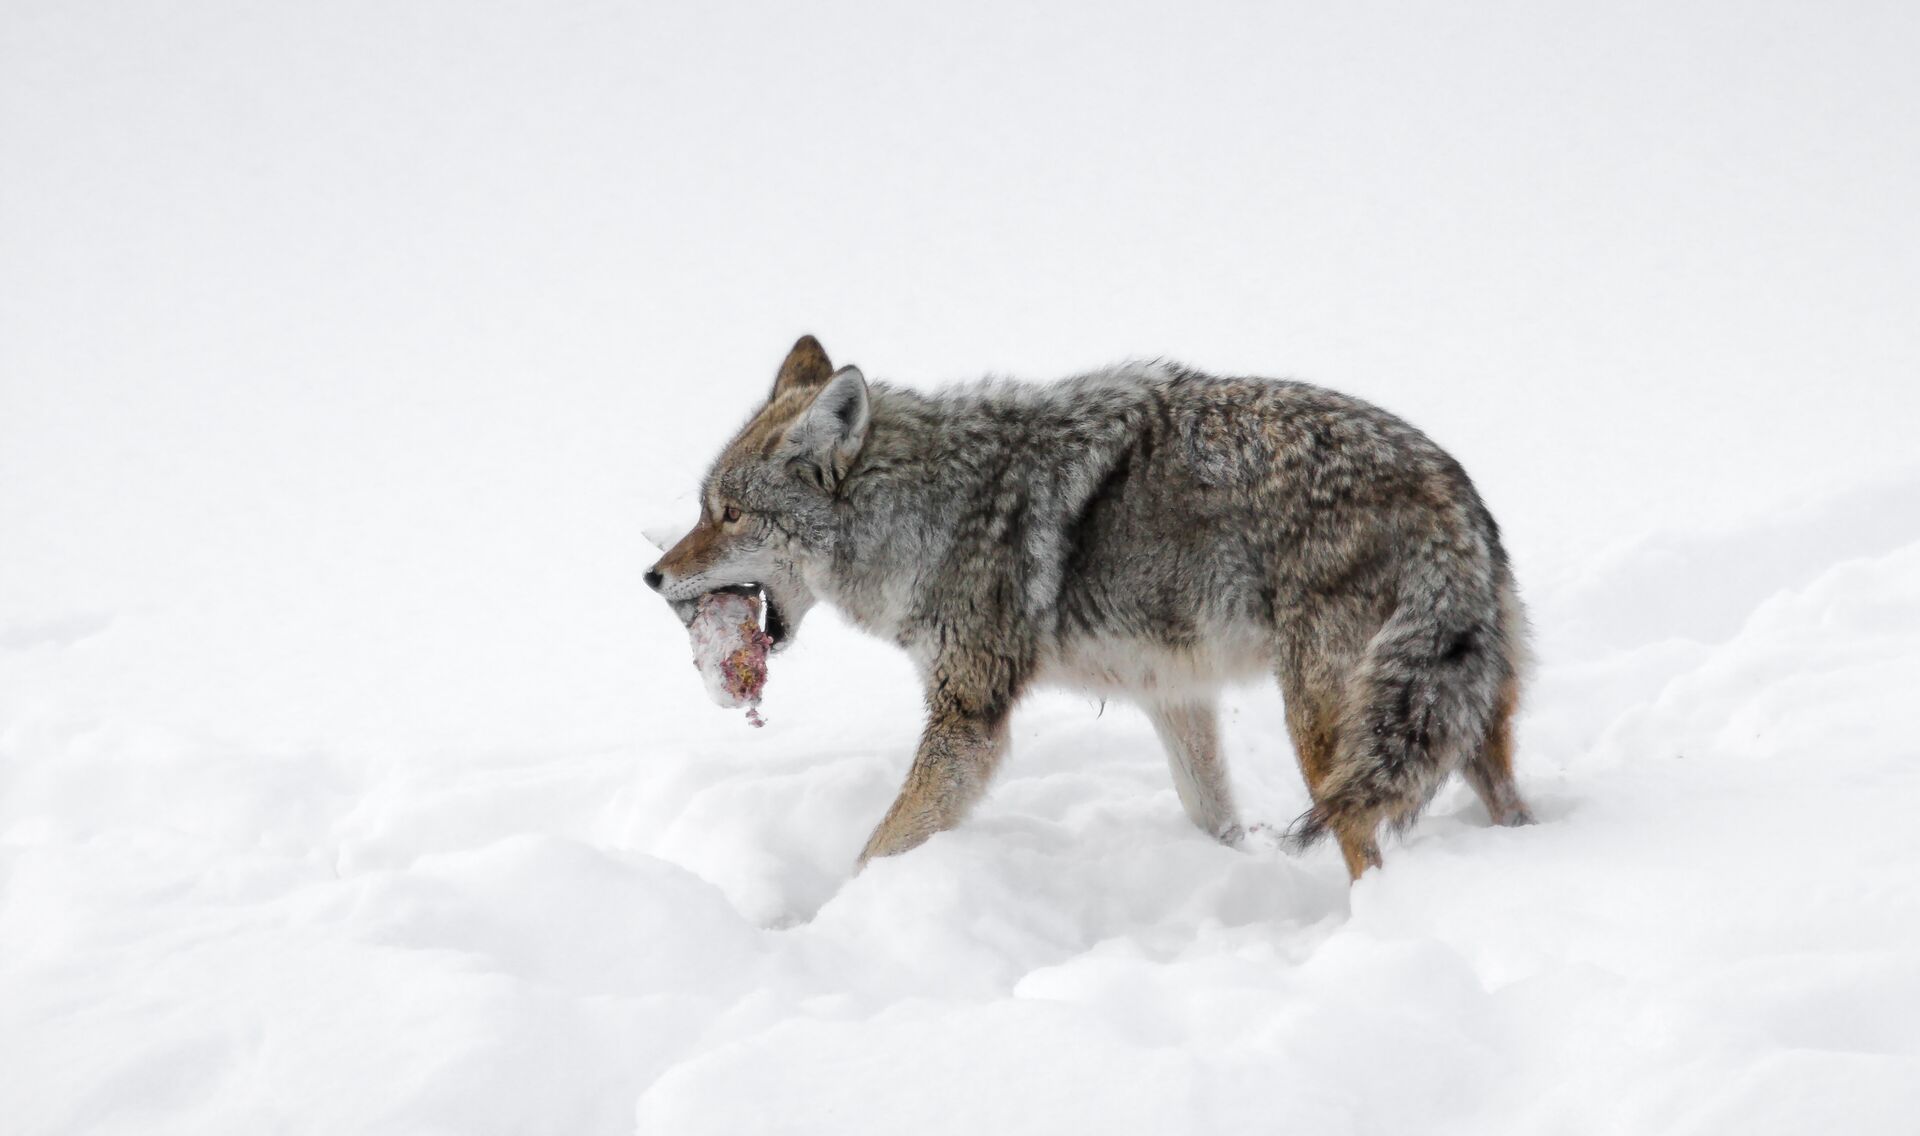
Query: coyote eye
point(731, 514)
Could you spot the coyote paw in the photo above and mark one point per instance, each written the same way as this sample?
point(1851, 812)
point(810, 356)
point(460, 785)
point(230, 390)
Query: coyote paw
point(1257, 837)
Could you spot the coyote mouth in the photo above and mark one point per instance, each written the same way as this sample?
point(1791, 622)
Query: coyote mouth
point(772, 620)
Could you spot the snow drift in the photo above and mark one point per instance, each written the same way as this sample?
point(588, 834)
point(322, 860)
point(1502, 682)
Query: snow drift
point(1711, 930)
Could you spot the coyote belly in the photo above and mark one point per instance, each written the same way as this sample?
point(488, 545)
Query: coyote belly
point(1147, 532)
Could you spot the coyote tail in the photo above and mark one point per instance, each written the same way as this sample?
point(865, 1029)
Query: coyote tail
point(1424, 693)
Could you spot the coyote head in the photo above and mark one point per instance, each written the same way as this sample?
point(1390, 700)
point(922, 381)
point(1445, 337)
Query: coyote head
point(766, 506)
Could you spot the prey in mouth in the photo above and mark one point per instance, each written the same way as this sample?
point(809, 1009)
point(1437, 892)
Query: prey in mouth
point(773, 620)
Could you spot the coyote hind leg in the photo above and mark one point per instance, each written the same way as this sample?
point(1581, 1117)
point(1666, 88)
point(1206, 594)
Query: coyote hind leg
point(1314, 725)
point(1190, 731)
point(1490, 769)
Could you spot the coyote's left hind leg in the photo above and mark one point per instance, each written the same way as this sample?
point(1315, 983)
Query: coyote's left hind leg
point(1314, 726)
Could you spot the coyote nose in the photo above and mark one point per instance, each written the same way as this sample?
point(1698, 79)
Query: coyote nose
point(654, 579)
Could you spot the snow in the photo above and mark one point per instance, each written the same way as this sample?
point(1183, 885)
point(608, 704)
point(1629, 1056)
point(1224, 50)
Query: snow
point(1712, 929)
point(352, 781)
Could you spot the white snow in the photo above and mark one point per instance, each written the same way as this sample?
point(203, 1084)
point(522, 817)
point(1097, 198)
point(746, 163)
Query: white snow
point(352, 781)
point(1712, 929)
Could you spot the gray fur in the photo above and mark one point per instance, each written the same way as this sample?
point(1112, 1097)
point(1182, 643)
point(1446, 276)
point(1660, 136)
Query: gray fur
point(1144, 531)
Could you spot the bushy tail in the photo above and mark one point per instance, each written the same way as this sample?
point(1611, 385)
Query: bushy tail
point(1421, 698)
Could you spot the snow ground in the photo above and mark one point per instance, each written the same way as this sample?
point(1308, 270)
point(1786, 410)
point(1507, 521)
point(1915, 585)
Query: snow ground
point(1712, 929)
point(350, 781)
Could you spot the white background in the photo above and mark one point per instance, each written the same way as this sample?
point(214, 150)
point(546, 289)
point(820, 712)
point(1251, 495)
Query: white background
point(346, 349)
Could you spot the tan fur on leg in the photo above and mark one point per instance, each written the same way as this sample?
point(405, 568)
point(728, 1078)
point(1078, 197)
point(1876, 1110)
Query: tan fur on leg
point(1313, 724)
point(1490, 771)
point(956, 759)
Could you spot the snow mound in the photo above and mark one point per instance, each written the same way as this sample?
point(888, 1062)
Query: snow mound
point(1712, 930)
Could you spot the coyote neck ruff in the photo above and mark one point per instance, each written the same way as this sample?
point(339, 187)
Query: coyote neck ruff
point(1144, 531)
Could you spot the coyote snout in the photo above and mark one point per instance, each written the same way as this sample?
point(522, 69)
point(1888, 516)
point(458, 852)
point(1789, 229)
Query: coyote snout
point(1148, 532)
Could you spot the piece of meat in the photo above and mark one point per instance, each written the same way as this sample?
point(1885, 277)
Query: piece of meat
point(730, 650)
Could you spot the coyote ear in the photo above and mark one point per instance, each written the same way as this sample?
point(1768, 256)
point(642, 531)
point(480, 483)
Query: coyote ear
point(806, 368)
point(821, 446)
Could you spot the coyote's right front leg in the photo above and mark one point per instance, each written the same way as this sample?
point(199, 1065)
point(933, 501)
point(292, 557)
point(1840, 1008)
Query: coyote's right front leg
point(958, 754)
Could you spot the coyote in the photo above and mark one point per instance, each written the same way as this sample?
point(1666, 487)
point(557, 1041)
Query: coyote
point(1144, 531)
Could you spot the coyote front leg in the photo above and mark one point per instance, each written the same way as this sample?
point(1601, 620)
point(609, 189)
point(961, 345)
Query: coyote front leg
point(1190, 731)
point(958, 754)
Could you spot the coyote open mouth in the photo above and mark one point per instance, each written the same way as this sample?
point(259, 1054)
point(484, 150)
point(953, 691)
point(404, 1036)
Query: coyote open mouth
point(772, 620)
